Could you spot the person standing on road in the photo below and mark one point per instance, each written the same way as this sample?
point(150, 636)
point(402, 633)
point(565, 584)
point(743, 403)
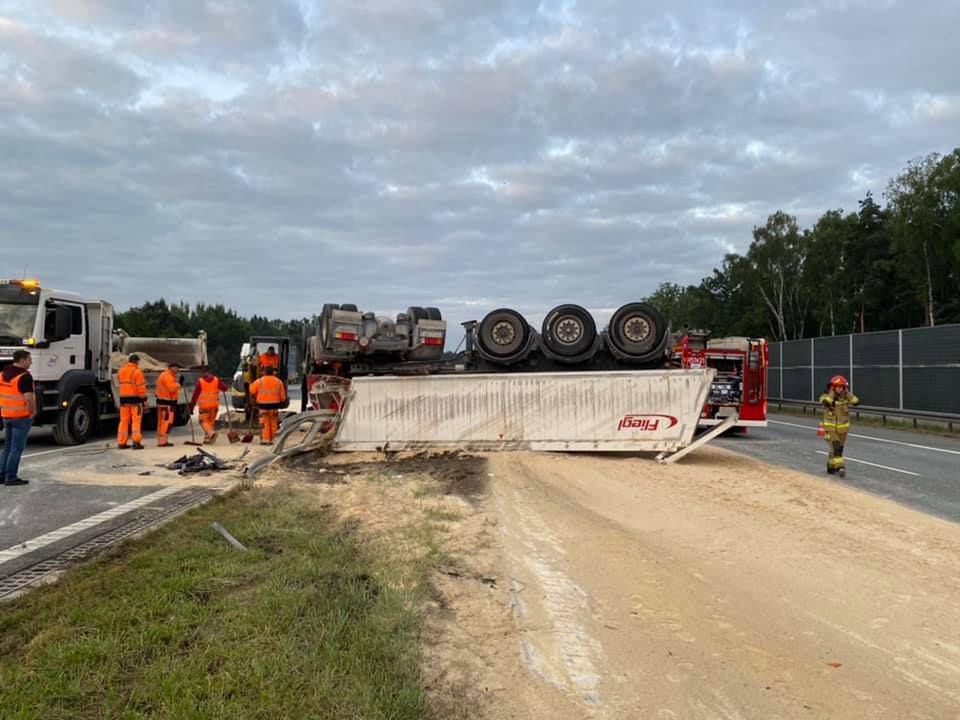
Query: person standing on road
point(168, 392)
point(18, 407)
point(133, 397)
point(206, 396)
point(269, 394)
point(836, 403)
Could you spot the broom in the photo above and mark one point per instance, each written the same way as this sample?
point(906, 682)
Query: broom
point(193, 434)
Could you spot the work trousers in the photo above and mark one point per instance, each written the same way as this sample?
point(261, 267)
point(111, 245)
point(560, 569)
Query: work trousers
point(269, 422)
point(15, 432)
point(836, 438)
point(130, 415)
point(208, 421)
point(165, 416)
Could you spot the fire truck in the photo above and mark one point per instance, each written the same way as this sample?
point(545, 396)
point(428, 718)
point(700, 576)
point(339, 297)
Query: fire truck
point(740, 385)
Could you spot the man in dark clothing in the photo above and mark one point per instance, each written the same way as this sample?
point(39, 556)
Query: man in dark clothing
point(18, 406)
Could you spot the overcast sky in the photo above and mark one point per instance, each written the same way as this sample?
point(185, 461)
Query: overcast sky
point(468, 154)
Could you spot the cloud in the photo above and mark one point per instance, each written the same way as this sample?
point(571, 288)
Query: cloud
point(276, 156)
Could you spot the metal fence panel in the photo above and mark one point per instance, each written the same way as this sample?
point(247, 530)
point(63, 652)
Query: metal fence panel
point(832, 351)
point(928, 346)
point(932, 389)
point(921, 363)
point(796, 383)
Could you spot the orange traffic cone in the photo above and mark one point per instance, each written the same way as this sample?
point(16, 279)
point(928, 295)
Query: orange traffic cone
point(821, 431)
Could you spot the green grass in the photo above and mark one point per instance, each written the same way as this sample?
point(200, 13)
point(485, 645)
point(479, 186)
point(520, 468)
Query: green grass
point(308, 623)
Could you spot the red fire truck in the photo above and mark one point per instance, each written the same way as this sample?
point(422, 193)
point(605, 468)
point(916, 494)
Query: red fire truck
point(741, 382)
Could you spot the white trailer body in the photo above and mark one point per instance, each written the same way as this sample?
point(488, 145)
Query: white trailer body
point(642, 410)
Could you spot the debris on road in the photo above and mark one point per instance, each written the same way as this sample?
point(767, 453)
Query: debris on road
point(199, 462)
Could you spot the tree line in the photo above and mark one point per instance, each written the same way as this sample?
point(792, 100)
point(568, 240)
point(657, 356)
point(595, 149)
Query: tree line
point(882, 267)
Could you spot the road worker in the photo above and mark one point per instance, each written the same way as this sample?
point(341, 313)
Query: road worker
point(168, 392)
point(269, 359)
point(206, 396)
point(133, 397)
point(269, 393)
point(18, 408)
point(836, 403)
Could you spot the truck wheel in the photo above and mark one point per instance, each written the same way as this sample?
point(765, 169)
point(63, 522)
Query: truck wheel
point(636, 328)
point(150, 420)
point(416, 313)
point(434, 314)
point(569, 330)
point(182, 416)
point(503, 332)
point(349, 307)
point(75, 424)
point(325, 320)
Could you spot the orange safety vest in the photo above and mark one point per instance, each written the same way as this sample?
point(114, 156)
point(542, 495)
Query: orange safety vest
point(133, 385)
point(269, 391)
point(209, 393)
point(270, 361)
point(168, 389)
point(13, 403)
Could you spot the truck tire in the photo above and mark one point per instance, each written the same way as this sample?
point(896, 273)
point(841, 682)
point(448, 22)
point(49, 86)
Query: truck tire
point(182, 416)
point(503, 333)
point(349, 307)
point(434, 313)
point(569, 330)
point(76, 423)
point(325, 318)
point(416, 313)
point(636, 328)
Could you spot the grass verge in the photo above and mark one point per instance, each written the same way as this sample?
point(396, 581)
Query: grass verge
point(308, 623)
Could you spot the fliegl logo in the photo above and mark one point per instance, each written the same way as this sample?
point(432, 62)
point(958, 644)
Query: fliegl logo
point(647, 423)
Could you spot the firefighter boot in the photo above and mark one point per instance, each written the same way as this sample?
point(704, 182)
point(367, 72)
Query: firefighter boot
point(838, 452)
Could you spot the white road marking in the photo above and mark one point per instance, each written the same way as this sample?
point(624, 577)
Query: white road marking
point(58, 450)
point(875, 439)
point(864, 462)
point(55, 535)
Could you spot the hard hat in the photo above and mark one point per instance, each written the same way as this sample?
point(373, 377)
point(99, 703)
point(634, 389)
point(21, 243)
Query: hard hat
point(838, 380)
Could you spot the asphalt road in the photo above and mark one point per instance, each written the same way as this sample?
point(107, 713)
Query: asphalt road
point(919, 470)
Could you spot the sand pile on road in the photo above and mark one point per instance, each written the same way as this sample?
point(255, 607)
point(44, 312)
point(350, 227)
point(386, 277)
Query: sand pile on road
point(147, 362)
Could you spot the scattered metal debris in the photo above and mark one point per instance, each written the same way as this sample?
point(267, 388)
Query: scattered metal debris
point(227, 536)
point(200, 462)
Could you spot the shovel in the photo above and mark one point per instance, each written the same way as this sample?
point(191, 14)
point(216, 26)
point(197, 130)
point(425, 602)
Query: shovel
point(232, 435)
point(248, 437)
point(193, 434)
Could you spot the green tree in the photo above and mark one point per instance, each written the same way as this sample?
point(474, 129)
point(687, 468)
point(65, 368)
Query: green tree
point(777, 256)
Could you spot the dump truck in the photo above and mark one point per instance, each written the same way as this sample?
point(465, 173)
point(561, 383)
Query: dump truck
point(77, 352)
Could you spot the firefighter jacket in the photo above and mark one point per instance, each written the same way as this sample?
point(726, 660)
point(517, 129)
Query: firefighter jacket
point(836, 410)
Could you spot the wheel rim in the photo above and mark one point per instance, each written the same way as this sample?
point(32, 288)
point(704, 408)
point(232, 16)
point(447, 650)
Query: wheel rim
point(568, 330)
point(81, 420)
point(503, 333)
point(636, 329)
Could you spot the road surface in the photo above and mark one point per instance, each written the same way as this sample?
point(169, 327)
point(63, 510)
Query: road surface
point(919, 470)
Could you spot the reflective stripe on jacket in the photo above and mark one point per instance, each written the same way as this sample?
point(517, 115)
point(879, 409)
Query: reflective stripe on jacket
point(209, 393)
point(168, 389)
point(13, 403)
point(836, 411)
point(133, 385)
point(269, 392)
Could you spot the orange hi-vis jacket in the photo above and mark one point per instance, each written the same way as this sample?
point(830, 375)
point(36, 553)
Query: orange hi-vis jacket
point(133, 384)
point(269, 361)
point(168, 389)
point(209, 393)
point(13, 403)
point(269, 391)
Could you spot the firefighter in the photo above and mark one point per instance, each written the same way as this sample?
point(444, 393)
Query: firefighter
point(269, 394)
point(168, 391)
point(269, 359)
point(133, 396)
point(206, 396)
point(836, 403)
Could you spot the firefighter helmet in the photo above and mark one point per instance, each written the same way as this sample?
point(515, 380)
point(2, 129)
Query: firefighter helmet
point(838, 381)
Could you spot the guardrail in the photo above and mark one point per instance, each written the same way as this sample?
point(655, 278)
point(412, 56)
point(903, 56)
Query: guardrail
point(884, 413)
